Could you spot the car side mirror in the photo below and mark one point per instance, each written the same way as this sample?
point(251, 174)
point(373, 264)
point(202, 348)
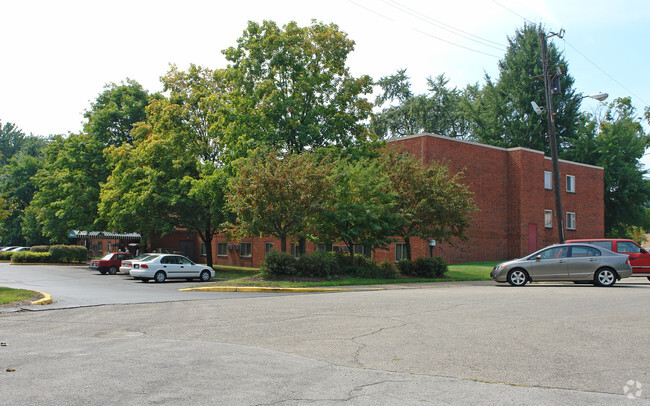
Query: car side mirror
point(538, 258)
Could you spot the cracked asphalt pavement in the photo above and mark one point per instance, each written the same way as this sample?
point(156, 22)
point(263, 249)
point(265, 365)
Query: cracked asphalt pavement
point(458, 344)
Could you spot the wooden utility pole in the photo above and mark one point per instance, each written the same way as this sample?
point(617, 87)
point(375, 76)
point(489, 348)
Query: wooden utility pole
point(559, 214)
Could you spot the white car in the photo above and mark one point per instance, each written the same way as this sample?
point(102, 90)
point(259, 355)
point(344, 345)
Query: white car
point(166, 266)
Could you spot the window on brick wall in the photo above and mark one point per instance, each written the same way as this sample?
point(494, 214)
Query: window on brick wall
point(245, 249)
point(295, 250)
point(325, 247)
point(204, 250)
point(268, 247)
point(570, 183)
point(222, 249)
point(363, 250)
point(548, 180)
point(400, 251)
point(570, 220)
point(548, 218)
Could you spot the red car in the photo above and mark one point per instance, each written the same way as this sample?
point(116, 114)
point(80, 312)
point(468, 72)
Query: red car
point(110, 263)
point(639, 257)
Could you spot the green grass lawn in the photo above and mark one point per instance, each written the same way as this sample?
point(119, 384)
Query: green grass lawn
point(239, 276)
point(9, 295)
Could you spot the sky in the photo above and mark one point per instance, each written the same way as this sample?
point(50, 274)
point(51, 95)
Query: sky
point(59, 55)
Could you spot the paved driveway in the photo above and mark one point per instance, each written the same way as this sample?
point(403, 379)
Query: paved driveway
point(74, 286)
point(465, 343)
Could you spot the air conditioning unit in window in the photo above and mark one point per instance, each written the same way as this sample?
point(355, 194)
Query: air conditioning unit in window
point(236, 247)
point(230, 247)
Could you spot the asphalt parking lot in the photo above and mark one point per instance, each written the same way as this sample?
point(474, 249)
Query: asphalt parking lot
point(448, 343)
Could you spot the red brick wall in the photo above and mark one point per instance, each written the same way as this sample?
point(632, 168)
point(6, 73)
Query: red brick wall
point(508, 187)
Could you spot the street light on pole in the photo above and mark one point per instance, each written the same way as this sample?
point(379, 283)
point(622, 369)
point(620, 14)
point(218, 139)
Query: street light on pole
point(550, 115)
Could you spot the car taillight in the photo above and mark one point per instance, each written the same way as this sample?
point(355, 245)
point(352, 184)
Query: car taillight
point(144, 266)
point(627, 261)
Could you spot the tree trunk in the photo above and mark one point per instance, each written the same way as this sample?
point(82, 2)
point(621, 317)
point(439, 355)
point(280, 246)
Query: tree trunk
point(283, 243)
point(407, 242)
point(302, 246)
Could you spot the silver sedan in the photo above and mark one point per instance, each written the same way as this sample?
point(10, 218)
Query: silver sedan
point(565, 262)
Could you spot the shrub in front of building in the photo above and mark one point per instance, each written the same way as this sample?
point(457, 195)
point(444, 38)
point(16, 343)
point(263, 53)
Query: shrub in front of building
point(31, 256)
point(318, 265)
point(423, 267)
point(6, 255)
point(68, 253)
point(278, 264)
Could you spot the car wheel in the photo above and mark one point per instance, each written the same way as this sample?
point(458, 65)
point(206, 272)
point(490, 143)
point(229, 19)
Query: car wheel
point(112, 270)
point(159, 277)
point(605, 277)
point(517, 277)
point(102, 271)
point(205, 276)
point(649, 278)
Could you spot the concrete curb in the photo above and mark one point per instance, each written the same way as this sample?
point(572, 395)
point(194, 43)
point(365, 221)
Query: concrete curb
point(46, 299)
point(268, 289)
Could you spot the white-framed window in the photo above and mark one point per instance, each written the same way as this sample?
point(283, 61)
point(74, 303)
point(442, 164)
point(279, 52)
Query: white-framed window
point(400, 251)
point(362, 250)
point(268, 247)
point(295, 250)
point(548, 218)
point(222, 249)
point(245, 249)
point(204, 250)
point(548, 180)
point(570, 183)
point(570, 220)
point(325, 247)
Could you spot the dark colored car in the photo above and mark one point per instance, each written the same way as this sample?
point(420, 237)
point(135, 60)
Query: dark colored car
point(639, 257)
point(110, 263)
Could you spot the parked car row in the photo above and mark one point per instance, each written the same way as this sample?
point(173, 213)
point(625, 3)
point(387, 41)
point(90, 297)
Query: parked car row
point(575, 261)
point(14, 249)
point(156, 266)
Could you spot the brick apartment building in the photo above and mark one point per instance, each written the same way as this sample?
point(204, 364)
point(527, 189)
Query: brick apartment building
point(512, 188)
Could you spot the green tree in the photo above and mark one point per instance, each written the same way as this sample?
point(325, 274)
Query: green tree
point(432, 203)
point(502, 114)
point(617, 143)
point(279, 195)
point(362, 210)
point(440, 111)
point(115, 111)
point(68, 186)
point(11, 140)
point(291, 89)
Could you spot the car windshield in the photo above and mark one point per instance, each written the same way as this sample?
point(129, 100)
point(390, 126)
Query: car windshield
point(108, 256)
point(146, 257)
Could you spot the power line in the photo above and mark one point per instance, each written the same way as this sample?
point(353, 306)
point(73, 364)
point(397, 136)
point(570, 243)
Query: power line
point(580, 53)
point(424, 33)
point(608, 75)
point(444, 26)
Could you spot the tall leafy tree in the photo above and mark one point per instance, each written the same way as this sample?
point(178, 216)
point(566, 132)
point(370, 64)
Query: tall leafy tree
point(291, 88)
point(502, 114)
point(68, 186)
point(617, 143)
point(279, 195)
point(362, 210)
point(115, 111)
point(172, 176)
point(11, 140)
point(440, 111)
point(432, 203)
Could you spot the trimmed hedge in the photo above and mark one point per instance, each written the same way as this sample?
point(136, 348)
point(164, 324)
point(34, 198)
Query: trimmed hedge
point(318, 265)
point(31, 256)
point(6, 255)
point(54, 253)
